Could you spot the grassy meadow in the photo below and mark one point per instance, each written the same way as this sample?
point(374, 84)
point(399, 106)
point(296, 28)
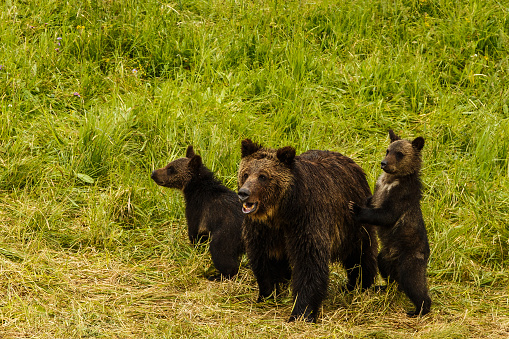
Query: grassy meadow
point(94, 95)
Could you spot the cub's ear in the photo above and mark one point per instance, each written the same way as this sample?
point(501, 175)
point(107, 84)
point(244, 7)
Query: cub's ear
point(248, 147)
point(190, 152)
point(393, 136)
point(286, 155)
point(418, 143)
point(195, 163)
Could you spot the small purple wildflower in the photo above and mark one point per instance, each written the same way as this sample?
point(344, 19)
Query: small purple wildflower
point(135, 71)
point(1, 67)
point(76, 94)
point(58, 43)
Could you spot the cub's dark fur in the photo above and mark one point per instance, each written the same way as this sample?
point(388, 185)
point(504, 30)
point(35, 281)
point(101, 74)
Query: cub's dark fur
point(211, 210)
point(297, 221)
point(395, 208)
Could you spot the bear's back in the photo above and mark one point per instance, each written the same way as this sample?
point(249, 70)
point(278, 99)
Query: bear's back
point(318, 155)
point(324, 184)
point(340, 168)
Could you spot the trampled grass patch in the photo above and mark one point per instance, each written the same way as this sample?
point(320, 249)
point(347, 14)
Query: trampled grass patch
point(95, 95)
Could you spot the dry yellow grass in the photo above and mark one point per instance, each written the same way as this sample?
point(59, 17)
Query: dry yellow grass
point(61, 294)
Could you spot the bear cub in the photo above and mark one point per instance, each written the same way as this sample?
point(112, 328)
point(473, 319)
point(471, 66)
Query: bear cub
point(395, 209)
point(297, 221)
point(211, 210)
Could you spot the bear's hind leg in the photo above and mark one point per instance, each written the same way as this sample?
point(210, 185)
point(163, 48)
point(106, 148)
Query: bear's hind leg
point(388, 268)
point(225, 257)
point(412, 280)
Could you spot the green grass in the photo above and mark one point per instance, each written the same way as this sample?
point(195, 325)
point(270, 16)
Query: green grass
point(94, 95)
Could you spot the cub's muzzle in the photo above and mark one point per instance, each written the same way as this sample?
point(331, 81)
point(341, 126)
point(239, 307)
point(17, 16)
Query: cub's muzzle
point(153, 175)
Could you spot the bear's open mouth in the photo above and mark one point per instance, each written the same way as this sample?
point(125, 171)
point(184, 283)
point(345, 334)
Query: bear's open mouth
point(249, 207)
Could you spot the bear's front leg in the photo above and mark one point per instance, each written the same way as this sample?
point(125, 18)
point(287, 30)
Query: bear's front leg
point(269, 273)
point(309, 281)
point(373, 216)
point(265, 250)
point(260, 264)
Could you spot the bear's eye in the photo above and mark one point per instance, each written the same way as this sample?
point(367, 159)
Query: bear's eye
point(262, 177)
point(245, 176)
point(170, 170)
point(399, 155)
point(387, 152)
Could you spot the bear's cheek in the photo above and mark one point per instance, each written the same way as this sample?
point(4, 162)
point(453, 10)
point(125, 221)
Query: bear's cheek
point(268, 196)
point(178, 181)
point(171, 183)
point(259, 197)
point(389, 169)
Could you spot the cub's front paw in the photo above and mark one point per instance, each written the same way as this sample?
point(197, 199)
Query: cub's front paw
point(354, 208)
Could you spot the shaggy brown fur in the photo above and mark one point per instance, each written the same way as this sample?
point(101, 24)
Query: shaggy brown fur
point(297, 221)
point(395, 208)
point(211, 210)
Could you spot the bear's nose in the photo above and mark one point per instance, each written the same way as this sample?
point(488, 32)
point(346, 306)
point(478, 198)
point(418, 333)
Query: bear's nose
point(153, 175)
point(384, 163)
point(244, 194)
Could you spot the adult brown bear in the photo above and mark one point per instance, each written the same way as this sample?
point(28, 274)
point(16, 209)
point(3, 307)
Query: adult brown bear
point(297, 221)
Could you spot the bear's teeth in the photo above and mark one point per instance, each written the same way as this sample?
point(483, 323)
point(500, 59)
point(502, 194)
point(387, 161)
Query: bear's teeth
point(248, 207)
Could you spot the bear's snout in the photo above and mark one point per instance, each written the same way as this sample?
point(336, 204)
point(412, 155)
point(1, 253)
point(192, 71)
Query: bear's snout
point(244, 194)
point(384, 164)
point(157, 178)
point(153, 175)
point(247, 207)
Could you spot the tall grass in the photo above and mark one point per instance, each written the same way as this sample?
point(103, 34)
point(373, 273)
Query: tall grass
point(95, 95)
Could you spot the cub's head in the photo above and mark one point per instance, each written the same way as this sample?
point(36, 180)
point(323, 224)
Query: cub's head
point(403, 157)
point(264, 177)
point(179, 172)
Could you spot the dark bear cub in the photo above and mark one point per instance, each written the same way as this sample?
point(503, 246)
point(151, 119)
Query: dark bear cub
point(211, 210)
point(297, 221)
point(395, 208)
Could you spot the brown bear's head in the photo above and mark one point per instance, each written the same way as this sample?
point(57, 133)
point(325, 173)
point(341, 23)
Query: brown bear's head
point(403, 157)
point(179, 172)
point(263, 178)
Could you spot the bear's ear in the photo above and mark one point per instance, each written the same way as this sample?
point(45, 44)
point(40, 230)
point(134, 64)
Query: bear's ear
point(286, 155)
point(248, 147)
point(195, 163)
point(418, 143)
point(190, 152)
point(393, 136)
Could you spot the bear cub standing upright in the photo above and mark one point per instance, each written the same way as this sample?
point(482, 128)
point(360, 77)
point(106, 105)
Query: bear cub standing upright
point(395, 208)
point(211, 210)
point(297, 221)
